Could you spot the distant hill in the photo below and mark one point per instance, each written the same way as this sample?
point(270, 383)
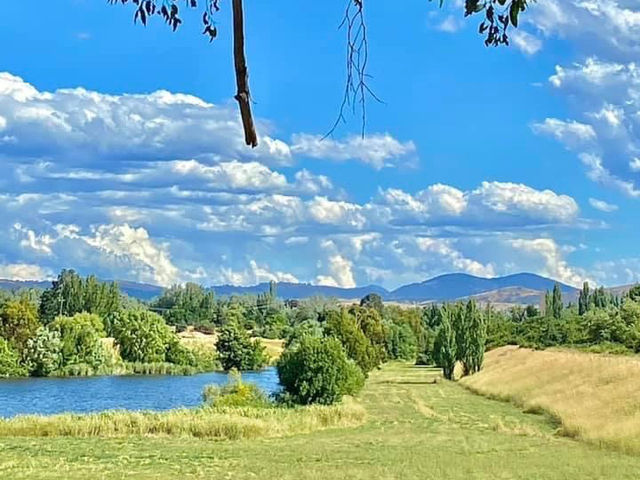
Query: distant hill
point(303, 290)
point(521, 288)
point(461, 285)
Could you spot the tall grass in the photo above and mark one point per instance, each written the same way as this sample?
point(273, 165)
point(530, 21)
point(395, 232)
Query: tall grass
point(221, 423)
point(593, 397)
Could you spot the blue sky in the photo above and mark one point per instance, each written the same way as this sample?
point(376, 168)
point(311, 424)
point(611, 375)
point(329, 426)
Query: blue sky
point(122, 151)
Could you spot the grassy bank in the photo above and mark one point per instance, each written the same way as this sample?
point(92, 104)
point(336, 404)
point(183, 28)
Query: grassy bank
point(593, 397)
point(206, 422)
point(415, 428)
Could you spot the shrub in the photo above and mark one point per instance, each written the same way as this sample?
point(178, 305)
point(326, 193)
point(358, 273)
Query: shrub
point(43, 354)
point(80, 336)
point(235, 393)
point(143, 336)
point(317, 370)
point(19, 322)
point(237, 350)
point(180, 355)
point(10, 361)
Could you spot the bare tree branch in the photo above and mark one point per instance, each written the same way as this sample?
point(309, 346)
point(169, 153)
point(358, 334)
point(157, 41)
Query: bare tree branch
point(243, 96)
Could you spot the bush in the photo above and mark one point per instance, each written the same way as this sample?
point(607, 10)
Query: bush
point(43, 354)
point(235, 393)
point(143, 336)
point(10, 361)
point(236, 350)
point(80, 336)
point(19, 322)
point(317, 370)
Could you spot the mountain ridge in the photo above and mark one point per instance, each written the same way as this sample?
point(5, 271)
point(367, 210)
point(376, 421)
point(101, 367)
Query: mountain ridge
point(525, 288)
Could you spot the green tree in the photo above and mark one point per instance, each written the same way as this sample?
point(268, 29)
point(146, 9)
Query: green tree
point(188, 305)
point(374, 301)
point(445, 346)
point(19, 322)
point(401, 342)
point(43, 354)
point(317, 370)
point(343, 326)
point(584, 299)
point(80, 336)
point(237, 350)
point(10, 365)
point(70, 294)
point(478, 338)
point(634, 293)
point(556, 302)
point(142, 336)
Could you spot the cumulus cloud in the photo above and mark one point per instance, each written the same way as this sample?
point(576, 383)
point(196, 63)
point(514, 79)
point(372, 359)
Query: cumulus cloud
point(254, 275)
point(340, 273)
point(526, 42)
point(23, 272)
point(376, 150)
point(555, 265)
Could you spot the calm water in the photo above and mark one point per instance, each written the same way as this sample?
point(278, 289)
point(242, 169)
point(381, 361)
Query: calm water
point(90, 394)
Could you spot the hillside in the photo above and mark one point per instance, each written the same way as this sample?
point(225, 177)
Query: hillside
point(521, 288)
point(592, 396)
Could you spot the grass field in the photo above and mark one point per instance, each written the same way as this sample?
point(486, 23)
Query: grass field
point(416, 429)
point(595, 397)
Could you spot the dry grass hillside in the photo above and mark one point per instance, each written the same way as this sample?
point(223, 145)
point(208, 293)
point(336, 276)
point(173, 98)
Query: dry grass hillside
point(594, 397)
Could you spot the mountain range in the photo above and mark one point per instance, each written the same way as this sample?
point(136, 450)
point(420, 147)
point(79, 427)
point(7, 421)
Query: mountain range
point(521, 288)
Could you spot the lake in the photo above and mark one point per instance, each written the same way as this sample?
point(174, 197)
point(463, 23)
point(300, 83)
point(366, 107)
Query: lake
point(48, 396)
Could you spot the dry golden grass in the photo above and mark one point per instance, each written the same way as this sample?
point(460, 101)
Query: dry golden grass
point(594, 397)
point(223, 423)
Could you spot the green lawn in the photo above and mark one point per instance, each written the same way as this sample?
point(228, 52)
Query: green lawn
point(416, 429)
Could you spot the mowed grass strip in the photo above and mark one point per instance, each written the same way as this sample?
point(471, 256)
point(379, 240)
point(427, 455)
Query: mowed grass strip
point(206, 422)
point(593, 397)
point(417, 428)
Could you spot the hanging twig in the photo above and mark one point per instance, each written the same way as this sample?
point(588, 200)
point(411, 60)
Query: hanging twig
point(242, 76)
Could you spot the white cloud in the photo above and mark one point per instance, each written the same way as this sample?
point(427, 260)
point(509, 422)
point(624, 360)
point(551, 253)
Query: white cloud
point(571, 133)
point(602, 205)
point(451, 24)
point(254, 275)
point(340, 273)
point(376, 150)
point(23, 271)
point(555, 265)
point(526, 42)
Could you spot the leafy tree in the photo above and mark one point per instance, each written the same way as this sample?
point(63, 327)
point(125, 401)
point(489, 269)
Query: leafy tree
point(317, 370)
point(237, 350)
point(477, 340)
point(70, 294)
point(374, 301)
point(461, 322)
point(401, 342)
point(43, 354)
point(634, 293)
point(445, 346)
point(343, 326)
point(188, 305)
point(583, 299)
point(143, 336)
point(80, 336)
point(10, 365)
point(19, 322)
point(556, 302)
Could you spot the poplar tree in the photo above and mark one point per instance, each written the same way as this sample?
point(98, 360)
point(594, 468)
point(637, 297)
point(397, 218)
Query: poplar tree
point(445, 345)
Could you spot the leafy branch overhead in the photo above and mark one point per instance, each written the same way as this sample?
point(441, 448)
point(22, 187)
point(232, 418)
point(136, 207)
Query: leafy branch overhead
point(499, 16)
